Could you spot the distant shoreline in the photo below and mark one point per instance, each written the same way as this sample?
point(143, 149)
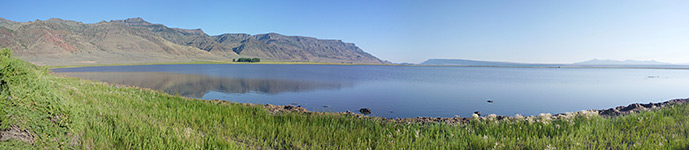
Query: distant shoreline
point(218, 62)
point(365, 64)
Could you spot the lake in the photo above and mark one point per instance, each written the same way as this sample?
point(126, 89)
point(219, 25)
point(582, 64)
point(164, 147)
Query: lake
point(404, 91)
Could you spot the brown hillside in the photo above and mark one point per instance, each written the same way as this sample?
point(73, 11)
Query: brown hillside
point(134, 40)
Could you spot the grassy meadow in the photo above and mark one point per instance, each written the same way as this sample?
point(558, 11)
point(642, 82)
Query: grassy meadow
point(69, 113)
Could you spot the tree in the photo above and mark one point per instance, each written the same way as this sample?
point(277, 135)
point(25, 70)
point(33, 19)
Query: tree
point(249, 60)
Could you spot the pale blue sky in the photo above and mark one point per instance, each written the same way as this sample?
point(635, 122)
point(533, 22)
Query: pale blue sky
point(544, 31)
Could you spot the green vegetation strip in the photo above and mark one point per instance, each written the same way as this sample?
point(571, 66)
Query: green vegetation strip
point(39, 110)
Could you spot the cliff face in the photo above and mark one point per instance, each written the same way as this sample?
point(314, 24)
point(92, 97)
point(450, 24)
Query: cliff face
point(64, 42)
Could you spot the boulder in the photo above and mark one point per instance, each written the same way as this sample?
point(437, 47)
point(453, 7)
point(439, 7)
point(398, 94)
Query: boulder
point(365, 111)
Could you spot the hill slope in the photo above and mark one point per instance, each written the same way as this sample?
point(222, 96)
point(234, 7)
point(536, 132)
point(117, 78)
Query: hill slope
point(134, 40)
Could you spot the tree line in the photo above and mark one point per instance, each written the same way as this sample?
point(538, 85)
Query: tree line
point(247, 60)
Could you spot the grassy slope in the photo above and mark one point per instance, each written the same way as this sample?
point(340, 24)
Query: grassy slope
point(73, 113)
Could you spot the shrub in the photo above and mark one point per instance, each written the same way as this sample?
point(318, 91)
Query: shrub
point(6, 52)
point(248, 60)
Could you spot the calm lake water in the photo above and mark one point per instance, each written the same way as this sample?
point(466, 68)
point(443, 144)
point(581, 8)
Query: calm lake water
point(403, 91)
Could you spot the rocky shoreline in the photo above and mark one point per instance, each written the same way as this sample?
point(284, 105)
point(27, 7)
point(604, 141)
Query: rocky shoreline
point(608, 113)
point(638, 107)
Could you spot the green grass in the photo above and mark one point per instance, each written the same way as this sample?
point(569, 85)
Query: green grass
point(65, 113)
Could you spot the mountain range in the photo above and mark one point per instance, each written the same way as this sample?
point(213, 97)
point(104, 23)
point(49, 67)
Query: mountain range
point(618, 62)
point(466, 62)
point(589, 63)
point(134, 40)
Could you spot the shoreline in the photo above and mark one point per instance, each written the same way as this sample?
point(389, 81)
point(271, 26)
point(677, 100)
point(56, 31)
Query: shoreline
point(365, 64)
point(217, 62)
point(605, 113)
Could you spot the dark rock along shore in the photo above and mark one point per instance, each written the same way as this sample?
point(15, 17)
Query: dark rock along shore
point(637, 107)
point(611, 112)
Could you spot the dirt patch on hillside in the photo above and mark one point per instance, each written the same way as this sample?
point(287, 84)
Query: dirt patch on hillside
point(272, 108)
point(75, 142)
point(16, 133)
point(284, 108)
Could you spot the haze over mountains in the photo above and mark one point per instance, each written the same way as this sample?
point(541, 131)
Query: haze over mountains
point(134, 40)
point(589, 63)
point(618, 62)
point(467, 62)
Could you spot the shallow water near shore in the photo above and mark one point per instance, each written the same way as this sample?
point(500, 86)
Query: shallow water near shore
point(404, 91)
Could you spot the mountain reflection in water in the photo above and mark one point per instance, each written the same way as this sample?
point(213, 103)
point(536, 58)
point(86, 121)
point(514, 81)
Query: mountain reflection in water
point(194, 85)
point(404, 91)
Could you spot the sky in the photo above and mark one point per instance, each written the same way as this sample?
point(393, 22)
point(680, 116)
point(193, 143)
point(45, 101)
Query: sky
point(536, 31)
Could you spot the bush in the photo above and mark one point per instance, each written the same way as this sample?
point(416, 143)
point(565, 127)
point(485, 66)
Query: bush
point(6, 52)
point(248, 60)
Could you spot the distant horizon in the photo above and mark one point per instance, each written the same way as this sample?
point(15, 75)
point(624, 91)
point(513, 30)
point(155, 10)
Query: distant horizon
point(555, 63)
point(414, 31)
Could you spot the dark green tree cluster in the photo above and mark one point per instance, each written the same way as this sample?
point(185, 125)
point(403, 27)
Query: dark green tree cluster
point(247, 60)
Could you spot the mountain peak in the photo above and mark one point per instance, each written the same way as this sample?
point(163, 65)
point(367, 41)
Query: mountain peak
point(137, 19)
point(133, 21)
point(4, 22)
point(268, 36)
point(198, 31)
point(54, 19)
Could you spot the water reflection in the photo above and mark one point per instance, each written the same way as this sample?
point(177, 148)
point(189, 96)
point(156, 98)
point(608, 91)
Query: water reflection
point(407, 91)
point(195, 85)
